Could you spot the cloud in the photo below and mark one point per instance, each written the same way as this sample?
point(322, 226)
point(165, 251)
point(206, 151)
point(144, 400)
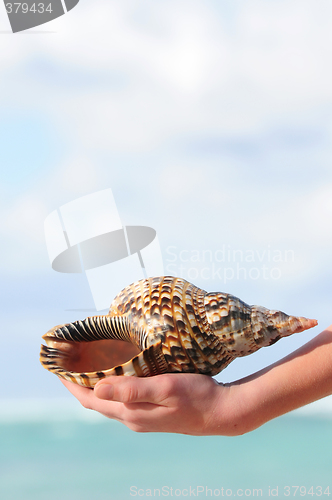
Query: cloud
point(22, 228)
point(22, 237)
point(191, 104)
point(137, 74)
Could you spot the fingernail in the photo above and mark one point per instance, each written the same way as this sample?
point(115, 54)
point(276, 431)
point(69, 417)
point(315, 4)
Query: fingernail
point(104, 391)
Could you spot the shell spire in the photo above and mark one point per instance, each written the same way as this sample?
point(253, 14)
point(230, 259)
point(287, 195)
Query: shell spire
point(298, 324)
point(164, 324)
point(269, 326)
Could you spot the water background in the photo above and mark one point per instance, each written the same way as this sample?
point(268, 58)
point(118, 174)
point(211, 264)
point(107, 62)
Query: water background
point(82, 456)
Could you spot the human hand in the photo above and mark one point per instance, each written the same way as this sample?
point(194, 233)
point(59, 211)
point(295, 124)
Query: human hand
point(181, 403)
point(198, 405)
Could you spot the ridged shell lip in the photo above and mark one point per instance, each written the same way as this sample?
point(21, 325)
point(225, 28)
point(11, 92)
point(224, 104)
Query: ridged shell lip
point(85, 357)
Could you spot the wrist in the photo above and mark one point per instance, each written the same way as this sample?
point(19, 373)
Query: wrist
point(242, 407)
point(233, 412)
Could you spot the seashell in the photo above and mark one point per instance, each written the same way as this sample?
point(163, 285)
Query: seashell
point(160, 325)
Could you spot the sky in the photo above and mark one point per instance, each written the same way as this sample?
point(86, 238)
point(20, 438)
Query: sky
point(210, 121)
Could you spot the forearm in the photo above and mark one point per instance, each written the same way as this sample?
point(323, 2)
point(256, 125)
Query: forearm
point(301, 378)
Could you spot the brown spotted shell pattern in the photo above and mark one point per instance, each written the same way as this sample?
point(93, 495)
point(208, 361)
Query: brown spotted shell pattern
point(160, 325)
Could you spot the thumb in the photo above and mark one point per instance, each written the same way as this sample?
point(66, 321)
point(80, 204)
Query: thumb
point(134, 390)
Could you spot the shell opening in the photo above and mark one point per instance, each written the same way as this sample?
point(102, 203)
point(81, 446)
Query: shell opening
point(93, 356)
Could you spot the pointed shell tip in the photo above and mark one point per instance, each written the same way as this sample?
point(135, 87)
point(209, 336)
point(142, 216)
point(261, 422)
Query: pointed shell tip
point(309, 323)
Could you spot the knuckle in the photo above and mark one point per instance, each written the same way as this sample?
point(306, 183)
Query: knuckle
point(129, 394)
point(86, 403)
point(133, 422)
point(169, 385)
point(137, 427)
point(170, 388)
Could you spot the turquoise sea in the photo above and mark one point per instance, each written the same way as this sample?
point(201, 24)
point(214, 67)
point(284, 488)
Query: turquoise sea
point(85, 459)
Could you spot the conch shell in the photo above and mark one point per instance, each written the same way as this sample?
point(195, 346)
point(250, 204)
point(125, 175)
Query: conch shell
point(160, 325)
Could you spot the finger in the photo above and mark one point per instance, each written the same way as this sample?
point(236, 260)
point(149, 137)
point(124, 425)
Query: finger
point(84, 395)
point(139, 417)
point(154, 390)
point(75, 389)
point(88, 400)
